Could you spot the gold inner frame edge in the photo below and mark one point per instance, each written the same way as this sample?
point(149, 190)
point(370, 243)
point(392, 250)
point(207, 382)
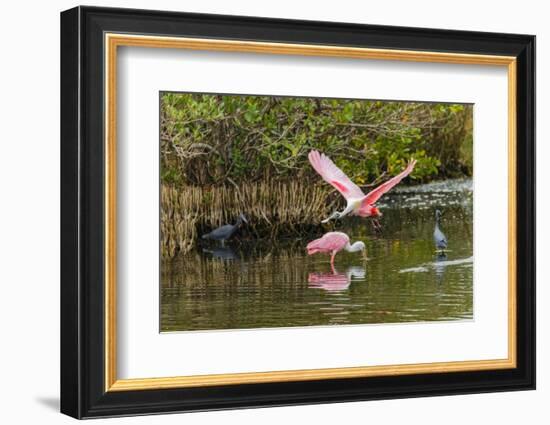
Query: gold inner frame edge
point(113, 41)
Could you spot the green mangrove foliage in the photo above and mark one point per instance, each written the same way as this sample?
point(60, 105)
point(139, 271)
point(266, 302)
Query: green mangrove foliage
point(224, 154)
point(215, 139)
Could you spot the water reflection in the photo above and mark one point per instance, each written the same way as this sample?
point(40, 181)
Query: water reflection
point(439, 266)
point(255, 284)
point(222, 253)
point(335, 281)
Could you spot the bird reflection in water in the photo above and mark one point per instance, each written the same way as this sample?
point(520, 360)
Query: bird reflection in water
point(336, 281)
point(222, 253)
point(439, 266)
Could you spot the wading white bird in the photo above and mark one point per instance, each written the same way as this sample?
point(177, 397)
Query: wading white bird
point(358, 203)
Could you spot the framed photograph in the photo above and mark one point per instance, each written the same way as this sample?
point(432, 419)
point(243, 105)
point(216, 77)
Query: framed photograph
point(261, 212)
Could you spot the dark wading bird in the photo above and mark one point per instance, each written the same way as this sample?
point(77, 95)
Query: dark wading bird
point(357, 202)
point(226, 231)
point(440, 240)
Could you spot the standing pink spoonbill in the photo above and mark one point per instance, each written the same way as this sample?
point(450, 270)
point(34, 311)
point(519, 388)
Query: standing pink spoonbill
point(358, 203)
point(334, 242)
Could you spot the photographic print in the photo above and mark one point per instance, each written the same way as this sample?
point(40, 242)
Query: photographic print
point(255, 183)
point(293, 211)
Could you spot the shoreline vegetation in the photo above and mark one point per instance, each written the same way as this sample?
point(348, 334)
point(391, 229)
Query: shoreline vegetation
point(273, 209)
point(222, 155)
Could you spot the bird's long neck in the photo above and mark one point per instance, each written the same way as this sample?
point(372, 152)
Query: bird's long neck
point(352, 205)
point(353, 248)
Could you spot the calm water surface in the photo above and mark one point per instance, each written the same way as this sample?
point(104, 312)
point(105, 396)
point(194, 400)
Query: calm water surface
point(266, 284)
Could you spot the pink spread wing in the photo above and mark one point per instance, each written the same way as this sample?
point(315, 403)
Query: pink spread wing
point(334, 176)
point(377, 193)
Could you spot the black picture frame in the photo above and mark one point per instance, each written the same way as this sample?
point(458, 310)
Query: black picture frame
point(83, 392)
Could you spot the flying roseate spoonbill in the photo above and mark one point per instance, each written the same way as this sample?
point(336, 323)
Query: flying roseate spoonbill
point(440, 240)
point(334, 242)
point(226, 231)
point(358, 203)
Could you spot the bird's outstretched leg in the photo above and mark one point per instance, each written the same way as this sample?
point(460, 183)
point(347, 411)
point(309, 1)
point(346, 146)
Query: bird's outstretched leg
point(332, 259)
point(376, 224)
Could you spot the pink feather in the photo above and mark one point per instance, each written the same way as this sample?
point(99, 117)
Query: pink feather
point(329, 243)
point(377, 193)
point(334, 176)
